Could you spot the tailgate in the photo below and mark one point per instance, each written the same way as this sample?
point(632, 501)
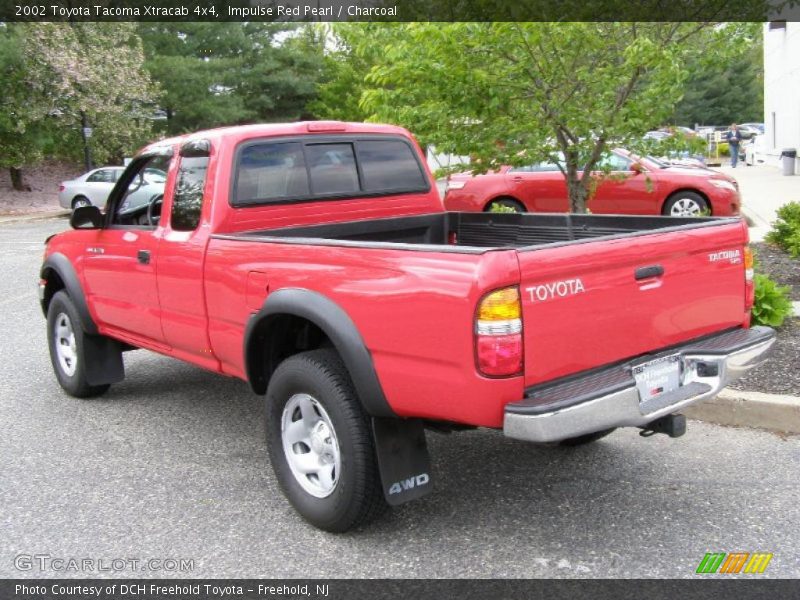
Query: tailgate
point(588, 304)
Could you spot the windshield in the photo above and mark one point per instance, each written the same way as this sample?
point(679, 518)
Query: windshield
point(658, 162)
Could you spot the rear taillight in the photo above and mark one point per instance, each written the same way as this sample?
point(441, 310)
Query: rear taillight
point(498, 333)
point(61, 187)
point(749, 287)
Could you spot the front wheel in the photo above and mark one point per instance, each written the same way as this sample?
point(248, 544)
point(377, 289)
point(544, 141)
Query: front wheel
point(320, 443)
point(67, 343)
point(686, 204)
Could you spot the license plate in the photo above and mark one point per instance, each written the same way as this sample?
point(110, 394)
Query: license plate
point(657, 377)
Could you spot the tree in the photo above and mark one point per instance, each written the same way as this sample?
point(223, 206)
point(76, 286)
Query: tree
point(517, 93)
point(228, 73)
point(56, 74)
point(22, 141)
point(731, 90)
point(346, 69)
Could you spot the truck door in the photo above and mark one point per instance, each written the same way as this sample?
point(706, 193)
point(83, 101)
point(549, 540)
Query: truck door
point(182, 253)
point(121, 261)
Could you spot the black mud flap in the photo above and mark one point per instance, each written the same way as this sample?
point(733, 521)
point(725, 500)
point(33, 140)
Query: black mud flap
point(103, 360)
point(403, 459)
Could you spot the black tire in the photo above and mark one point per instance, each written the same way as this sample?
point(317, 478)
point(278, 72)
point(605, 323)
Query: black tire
point(690, 200)
point(512, 203)
point(73, 381)
point(80, 201)
point(357, 496)
point(582, 440)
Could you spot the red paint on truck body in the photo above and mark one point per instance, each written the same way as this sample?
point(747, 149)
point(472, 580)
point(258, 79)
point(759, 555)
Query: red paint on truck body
point(415, 310)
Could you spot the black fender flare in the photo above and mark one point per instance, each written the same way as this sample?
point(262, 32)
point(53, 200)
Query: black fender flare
point(103, 355)
point(60, 265)
point(337, 326)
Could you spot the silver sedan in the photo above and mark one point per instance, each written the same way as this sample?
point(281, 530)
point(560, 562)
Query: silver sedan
point(90, 188)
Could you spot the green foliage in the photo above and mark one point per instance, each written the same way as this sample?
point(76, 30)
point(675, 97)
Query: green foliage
point(346, 69)
point(785, 231)
point(726, 81)
point(55, 71)
point(772, 305)
point(724, 149)
point(217, 74)
point(517, 93)
point(496, 207)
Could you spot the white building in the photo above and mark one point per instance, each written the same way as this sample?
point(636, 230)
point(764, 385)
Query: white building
point(781, 89)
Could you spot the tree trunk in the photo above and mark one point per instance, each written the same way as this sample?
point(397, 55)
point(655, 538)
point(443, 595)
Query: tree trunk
point(576, 191)
point(18, 180)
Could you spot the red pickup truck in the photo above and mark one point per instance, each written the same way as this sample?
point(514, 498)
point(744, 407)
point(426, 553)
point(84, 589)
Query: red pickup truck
point(315, 261)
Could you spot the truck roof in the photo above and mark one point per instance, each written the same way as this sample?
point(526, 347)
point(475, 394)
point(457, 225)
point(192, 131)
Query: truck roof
point(241, 132)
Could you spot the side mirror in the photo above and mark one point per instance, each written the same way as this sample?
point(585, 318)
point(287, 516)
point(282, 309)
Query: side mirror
point(636, 168)
point(86, 217)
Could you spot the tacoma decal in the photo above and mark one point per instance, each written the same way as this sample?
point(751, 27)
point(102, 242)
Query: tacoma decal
point(561, 289)
point(734, 256)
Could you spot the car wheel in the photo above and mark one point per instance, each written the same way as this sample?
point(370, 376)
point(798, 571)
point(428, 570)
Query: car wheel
point(79, 201)
point(686, 204)
point(320, 443)
point(582, 440)
point(505, 205)
point(66, 341)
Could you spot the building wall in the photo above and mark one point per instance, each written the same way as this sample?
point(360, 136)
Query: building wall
point(781, 89)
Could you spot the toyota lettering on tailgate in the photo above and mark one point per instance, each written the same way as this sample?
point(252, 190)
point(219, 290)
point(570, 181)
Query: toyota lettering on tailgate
point(555, 289)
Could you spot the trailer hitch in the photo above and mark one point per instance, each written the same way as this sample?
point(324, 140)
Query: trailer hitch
point(673, 425)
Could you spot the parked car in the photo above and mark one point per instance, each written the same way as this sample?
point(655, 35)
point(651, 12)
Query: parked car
point(750, 129)
point(657, 135)
point(755, 150)
point(636, 186)
point(92, 188)
point(315, 261)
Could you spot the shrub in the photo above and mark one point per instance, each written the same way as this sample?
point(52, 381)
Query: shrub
point(772, 304)
point(724, 149)
point(785, 231)
point(496, 207)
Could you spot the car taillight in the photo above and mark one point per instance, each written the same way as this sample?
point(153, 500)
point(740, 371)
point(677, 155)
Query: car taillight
point(749, 286)
point(61, 187)
point(498, 333)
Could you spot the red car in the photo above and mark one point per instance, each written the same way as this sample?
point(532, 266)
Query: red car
point(636, 186)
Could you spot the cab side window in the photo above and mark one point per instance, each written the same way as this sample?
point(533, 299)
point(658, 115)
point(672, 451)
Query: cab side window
point(188, 200)
point(141, 202)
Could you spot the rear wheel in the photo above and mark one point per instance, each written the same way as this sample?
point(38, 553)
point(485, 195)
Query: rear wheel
point(320, 443)
point(582, 440)
point(67, 343)
point(686, 204)
point(79, 201)
point(505, 205)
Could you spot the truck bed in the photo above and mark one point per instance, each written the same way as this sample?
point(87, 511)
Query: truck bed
point(477, 232)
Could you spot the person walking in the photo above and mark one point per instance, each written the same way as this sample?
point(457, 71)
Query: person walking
point(734, 137)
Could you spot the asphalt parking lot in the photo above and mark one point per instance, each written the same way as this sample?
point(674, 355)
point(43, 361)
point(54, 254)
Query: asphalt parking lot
point(171, 464)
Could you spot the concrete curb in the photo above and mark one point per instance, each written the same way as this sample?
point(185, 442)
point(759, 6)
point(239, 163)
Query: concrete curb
point(750, 409)
point(33, 217)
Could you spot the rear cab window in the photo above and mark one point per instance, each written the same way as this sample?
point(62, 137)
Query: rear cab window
point(313, 168)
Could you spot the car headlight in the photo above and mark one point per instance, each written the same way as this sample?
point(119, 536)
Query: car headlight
point(723, 184)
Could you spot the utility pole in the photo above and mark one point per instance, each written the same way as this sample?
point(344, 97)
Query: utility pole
point(86, 133)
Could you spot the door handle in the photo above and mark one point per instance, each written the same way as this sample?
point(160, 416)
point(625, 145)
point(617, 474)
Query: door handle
point(143, 256)
point(648, 272)
point(517, 179)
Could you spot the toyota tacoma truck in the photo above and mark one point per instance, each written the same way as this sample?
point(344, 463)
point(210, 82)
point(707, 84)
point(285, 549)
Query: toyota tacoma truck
point(316, 262)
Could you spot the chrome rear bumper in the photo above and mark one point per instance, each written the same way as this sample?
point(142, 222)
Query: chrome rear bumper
point(609, 397)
